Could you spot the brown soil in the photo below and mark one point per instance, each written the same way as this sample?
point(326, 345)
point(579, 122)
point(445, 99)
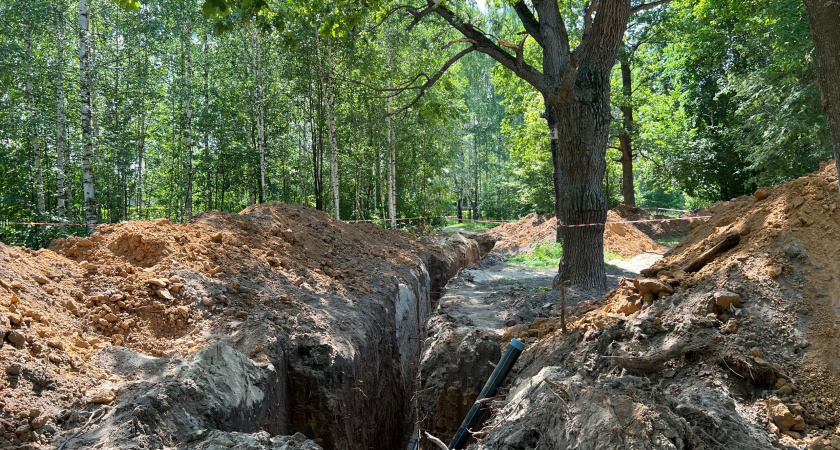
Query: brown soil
point(168, 290)
point(656, 230)
point(625, 240)
point(775, 350)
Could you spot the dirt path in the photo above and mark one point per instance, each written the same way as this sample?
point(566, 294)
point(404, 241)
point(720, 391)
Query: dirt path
point(493, 294)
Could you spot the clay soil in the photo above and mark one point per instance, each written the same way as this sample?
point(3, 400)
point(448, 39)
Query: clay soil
point(167, 290)
point(743, 352)
point(623, 239)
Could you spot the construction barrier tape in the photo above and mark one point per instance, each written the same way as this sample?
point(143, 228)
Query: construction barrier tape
point(387, 220)
point(55, 224)
point(561, 224)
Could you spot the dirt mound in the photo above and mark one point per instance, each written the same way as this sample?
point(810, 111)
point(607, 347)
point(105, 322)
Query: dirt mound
point(319, 300)
point(720, 347)
point(674, 229)
point(521, 237)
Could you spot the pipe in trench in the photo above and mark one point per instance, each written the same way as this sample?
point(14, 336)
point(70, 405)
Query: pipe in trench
point(496, 379)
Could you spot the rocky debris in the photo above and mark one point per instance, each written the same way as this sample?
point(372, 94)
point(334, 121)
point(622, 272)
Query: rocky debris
point(218, 440)
point(217, 388)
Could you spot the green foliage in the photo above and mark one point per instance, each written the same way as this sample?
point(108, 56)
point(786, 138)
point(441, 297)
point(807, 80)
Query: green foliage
point(471, 226)
point(726, 101)
point(544, 256)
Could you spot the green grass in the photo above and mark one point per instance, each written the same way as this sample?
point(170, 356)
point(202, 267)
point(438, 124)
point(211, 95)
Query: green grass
point(546, 256)
point(608, 255)
point(471, 226)
point(669, 242)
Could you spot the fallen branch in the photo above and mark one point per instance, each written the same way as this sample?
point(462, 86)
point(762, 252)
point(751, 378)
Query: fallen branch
point(655, 361)
point(728, 242)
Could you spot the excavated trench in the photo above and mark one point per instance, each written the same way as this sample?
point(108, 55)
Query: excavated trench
point(346, 385)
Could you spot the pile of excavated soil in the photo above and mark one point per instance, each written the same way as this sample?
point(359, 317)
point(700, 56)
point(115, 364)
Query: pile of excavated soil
point(666, 229)
point(742, 351)
point(307, 298)
point(522, 237)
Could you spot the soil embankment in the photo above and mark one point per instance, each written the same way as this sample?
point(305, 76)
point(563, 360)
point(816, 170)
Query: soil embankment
point(708, 349)
point(231, 330)
point(623, 239)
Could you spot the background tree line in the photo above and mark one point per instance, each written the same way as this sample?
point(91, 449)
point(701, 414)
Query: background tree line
point(722, 97)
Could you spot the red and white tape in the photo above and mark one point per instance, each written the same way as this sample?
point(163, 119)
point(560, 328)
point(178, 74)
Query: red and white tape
point(387, 220)
point(55, 224)
point(561, 224)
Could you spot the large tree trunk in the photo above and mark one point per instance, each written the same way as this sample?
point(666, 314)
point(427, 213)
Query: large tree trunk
point(583, 116)
point(60, 117)
point(624, 140)
point(824, 17)
point(334, 184)
point(583, 130)
point(34, 139)
point(91, 217)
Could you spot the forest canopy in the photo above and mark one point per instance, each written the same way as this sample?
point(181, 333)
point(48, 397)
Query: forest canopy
point(195, 106)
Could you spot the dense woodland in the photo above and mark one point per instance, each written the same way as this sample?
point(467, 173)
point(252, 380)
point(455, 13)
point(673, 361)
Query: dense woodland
point(165, 109)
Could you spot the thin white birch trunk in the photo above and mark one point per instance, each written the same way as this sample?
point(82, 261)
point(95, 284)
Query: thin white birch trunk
point(188, 201)
point(60, 125)
point(87, 136)
point(392, 153)
point(331, 129)
point(35, 140)
point(260, 106)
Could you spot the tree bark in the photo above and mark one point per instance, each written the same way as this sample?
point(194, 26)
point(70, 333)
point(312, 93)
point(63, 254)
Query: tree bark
point(554, 138)
point(60, 118)
point(34, 139)
point(91, 216)
point(582, 107)
point(824, 18)
point(334, 182)
point(625, 143)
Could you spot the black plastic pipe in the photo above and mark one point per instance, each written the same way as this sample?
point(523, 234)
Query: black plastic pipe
point(478, 409)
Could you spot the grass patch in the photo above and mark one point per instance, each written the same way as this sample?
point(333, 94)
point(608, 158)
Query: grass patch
point(471, 226)
point(669, 242)
point(546, 256)
point(608, 255)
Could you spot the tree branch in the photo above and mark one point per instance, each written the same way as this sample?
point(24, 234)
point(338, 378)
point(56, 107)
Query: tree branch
point(485, 45)
point(647, 6)
point(532, 26)
point(434, 79)
point(590, 8)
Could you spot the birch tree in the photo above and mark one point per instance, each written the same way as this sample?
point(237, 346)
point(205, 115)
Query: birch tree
point(91, 216)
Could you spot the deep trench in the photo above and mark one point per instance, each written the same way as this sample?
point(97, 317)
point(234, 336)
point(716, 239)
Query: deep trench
point(366, 402)
point(350, 388)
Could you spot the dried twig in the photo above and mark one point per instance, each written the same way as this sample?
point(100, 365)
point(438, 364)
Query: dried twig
point(436, 441)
